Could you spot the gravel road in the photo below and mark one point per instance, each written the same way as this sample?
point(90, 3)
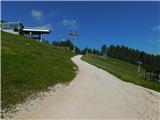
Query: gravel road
point(95, 93)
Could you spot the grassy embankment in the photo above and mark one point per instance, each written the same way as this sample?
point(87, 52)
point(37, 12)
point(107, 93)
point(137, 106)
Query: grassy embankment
point(123, 70)
point(28, 66)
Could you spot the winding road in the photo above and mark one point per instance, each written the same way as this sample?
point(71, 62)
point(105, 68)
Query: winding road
point(96, 94)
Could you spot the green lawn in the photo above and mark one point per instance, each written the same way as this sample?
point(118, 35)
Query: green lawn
point(28, 66)
point(123, 70)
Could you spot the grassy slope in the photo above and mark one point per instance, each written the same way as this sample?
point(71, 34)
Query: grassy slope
point(29, 66)
point(123, 70)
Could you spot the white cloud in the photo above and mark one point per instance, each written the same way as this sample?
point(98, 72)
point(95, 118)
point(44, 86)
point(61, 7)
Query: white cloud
point(157, 28)
point(37, 14)
point(72, 24)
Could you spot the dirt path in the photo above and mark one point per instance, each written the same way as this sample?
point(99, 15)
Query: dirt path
point(97, 94)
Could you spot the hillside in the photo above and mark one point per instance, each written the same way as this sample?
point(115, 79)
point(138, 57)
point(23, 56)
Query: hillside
point(123, 70)
point(28, 66)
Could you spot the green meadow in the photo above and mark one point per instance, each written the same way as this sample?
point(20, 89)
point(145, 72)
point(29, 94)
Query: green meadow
point(28, 66)
point(123, 70)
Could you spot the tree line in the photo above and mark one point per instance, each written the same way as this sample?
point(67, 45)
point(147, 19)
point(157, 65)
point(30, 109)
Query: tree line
point(150, 62)
point(67, 44)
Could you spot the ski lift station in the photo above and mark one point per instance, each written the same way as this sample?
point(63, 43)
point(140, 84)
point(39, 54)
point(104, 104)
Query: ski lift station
point(18, 28)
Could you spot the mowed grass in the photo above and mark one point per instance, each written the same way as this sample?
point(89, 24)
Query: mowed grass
point(28, 66)
point(123, 70)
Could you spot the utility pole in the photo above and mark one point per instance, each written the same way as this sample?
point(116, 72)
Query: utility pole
point(139, 66)
point(74, 36)
point(59, 38)
point(86, 50)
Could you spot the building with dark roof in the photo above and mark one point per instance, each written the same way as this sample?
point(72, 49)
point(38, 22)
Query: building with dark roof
point(18, 28)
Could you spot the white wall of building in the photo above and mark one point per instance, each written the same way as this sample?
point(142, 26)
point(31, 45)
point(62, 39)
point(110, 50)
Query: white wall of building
point(11, 31)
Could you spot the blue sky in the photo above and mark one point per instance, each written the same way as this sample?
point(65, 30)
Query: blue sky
point(133, 24)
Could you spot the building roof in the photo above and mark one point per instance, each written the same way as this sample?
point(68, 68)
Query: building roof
point(4, 23)
point(10, 22)
point(37, 29)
